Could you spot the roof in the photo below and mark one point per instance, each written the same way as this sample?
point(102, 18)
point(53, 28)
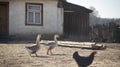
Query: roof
point(72, 7)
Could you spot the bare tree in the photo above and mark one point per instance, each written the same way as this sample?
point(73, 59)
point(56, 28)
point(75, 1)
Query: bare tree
point(94, 16)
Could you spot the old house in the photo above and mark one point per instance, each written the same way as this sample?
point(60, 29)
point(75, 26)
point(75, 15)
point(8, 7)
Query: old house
point(30, 17)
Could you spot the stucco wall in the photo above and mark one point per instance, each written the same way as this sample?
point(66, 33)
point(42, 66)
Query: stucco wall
point(52, 18)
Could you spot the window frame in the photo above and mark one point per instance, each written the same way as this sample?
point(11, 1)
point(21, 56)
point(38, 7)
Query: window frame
point(26, 14)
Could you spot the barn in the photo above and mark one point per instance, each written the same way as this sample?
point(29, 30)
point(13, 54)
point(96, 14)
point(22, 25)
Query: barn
point(76, 21)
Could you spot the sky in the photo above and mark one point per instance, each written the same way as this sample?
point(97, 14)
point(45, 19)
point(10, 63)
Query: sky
point(105, 8)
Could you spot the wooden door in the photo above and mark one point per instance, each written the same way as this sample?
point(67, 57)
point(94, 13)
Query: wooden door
point(3, 18)
point(71, 23)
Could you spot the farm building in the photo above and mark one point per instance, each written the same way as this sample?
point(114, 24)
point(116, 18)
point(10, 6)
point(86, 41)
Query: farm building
point(30, 17)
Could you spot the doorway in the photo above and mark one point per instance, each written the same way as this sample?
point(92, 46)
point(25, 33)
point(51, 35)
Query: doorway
point(4, 21)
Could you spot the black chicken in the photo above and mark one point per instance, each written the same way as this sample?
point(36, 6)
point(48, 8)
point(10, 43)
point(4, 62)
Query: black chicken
point(84, 61)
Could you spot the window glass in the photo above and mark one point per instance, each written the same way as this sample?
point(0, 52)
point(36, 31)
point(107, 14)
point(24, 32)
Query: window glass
point(37, 18)
point(30, 17)
point(34, 7)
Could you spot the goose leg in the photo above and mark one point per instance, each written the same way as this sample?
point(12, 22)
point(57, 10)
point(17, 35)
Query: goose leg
point(36, 54)
point(51, 51)
point(30, 54)
point(48, 51)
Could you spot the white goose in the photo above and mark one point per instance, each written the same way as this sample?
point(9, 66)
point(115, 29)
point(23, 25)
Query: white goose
point(34, 48)
point(52, 45)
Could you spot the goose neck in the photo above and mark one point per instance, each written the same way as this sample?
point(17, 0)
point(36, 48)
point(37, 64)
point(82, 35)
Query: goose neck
point(55, 39)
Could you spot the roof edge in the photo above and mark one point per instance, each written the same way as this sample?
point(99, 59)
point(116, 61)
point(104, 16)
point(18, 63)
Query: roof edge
point(66, 4)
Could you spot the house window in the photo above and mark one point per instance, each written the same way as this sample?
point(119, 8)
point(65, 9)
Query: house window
point(34, 14)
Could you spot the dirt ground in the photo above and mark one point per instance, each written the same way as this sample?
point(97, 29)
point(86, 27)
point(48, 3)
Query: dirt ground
point(15, 55)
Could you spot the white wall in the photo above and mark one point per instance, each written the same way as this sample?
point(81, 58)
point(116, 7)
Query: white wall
point(52, 18)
